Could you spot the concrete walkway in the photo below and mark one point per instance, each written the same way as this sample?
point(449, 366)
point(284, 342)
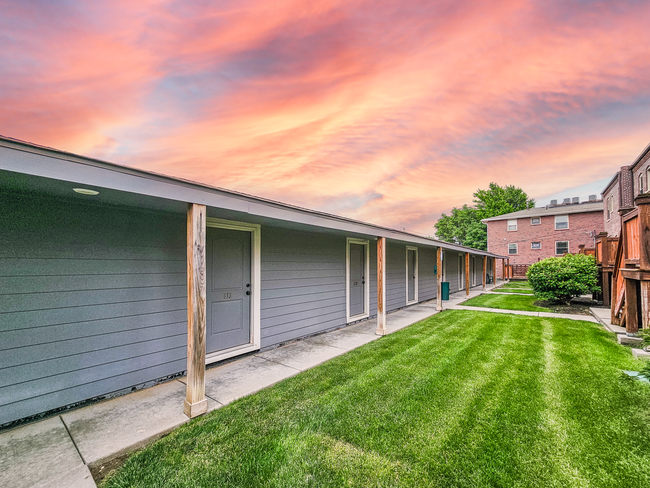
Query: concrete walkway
point(554, 315)
point(497, 292)
point(61, 451)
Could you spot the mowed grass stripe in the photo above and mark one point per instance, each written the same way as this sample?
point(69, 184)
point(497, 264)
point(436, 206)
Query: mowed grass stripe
point(505, 302)
point(462, 399)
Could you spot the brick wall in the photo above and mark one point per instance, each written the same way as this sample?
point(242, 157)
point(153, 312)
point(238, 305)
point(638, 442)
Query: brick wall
point(626, 182)
point(613, 224)
point(580, 226)
point(642, 170)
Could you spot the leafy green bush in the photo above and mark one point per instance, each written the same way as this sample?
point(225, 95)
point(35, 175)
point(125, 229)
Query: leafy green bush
point(560, 279)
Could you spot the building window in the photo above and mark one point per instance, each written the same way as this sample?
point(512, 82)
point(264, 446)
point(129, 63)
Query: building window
point(610, 207)
point(512, 224)
point(535, 221)
point(512, 248)
point(641, 183)
point(535, 245)
point(561, 247)
point(561, 222)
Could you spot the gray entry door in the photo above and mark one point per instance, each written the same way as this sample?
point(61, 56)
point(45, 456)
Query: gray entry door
point(410, 270)
point(228, 286)
point(357, 279)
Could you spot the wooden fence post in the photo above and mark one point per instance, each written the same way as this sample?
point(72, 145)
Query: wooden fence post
point(484, 271)
point(381, 286)
point(195, 401)
point(439, 278)
point(467, 274)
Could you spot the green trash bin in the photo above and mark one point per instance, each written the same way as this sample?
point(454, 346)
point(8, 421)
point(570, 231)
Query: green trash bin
point(445, 290)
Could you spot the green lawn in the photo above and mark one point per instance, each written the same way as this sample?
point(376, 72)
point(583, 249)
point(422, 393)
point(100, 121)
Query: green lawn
point(516, 285)
point(525, 291)
point(506, 302)
point(462, 399)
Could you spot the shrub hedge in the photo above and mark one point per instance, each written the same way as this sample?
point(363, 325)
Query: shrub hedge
point(560, 279)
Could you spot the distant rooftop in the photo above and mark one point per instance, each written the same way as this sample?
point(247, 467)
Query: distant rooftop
point(561, 209)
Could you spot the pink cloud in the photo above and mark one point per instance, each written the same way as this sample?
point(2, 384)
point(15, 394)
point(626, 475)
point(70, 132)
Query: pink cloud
point(391, 113)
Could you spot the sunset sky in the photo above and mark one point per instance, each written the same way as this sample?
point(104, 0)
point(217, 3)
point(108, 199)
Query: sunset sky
point(386, 111)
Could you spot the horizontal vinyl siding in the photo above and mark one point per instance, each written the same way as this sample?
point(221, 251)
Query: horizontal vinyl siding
point(395, 276)
point(427, 279)
point(303, 284)
point(93, 300)
point(452, 270)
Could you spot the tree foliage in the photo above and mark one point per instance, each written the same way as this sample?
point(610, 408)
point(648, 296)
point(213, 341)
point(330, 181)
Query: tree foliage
point(463, 226)
point(560, 279)
point(499, 200)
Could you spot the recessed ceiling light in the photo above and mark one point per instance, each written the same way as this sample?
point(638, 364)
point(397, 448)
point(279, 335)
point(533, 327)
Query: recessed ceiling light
point(85, 191)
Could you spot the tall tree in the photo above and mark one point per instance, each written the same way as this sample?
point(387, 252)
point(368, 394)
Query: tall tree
point(463, 226)
point(499, 200)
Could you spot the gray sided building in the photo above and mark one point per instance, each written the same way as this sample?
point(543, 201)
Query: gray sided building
point(94, 288)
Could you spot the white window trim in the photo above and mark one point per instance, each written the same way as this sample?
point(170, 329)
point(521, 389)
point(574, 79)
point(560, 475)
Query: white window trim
point(567, 222)
point(256, 285)
point(609, 208)
point(536, 248)
point(417, 275)
point(568, 246)
point(516, 247)
point(641, 184)
point(366, 298)
point(508, 225)
point(538, 218)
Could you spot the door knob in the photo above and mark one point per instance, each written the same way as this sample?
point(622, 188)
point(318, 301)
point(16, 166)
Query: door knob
point(248, 292)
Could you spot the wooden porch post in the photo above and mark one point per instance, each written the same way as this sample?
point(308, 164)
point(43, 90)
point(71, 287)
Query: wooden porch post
point(631, 316)
point(195, 402)
point(494, 271)
point(439, 278)
point(381, 286)
point(643, 204)
point(503, 270)
point(467, 273)
point(484, 271)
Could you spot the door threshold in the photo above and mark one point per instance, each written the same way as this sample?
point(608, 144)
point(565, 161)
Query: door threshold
point(229, 353)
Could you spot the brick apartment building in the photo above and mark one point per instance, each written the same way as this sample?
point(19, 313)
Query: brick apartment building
point(619, 194)
point(528, 236)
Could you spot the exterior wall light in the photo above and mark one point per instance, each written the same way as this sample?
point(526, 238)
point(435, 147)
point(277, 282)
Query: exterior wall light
point(85, 191)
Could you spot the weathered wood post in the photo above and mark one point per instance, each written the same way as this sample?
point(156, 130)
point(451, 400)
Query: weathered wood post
point(484, 271)
point(381, 286)
point(467, 273)
point(439, 278)
point(631, 316)
point(604, 262)
point(494, 271)
point(503, 270)
point(643, 204)
point(195, 401)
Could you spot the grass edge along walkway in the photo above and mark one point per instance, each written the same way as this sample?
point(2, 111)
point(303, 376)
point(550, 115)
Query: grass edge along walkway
point(464, 398)
point(505, 302)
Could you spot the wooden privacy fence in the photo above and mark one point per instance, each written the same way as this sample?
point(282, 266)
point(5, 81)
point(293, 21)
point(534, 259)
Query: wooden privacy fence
point(517, 271)
point(630, 283)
